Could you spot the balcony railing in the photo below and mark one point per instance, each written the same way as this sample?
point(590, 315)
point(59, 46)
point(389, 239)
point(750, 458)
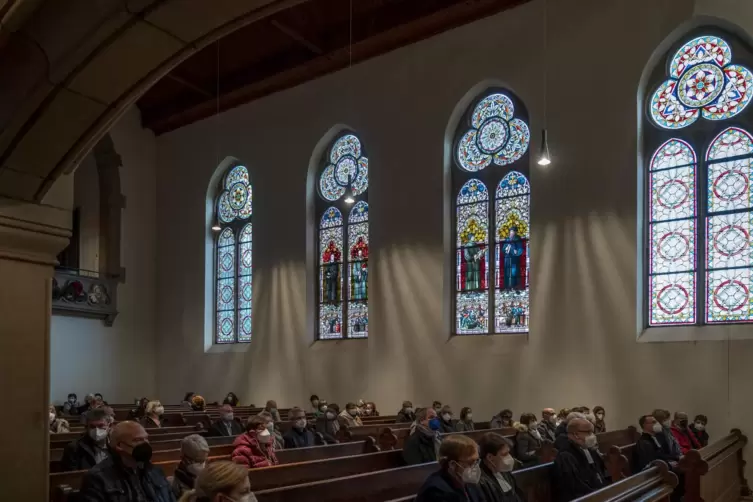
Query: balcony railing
point(84, 293)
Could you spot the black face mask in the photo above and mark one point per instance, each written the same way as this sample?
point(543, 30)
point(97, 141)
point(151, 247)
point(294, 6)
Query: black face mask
point(142, 452)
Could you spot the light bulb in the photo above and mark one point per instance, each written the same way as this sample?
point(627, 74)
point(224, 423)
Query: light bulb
point(544, 161)
point(349, 199)
point(544, 157)
point(216, 228)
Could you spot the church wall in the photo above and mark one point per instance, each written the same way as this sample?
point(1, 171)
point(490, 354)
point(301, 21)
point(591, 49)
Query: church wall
point(119, 361)
point(582, 347)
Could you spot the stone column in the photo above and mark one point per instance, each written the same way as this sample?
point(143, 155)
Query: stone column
point(31, 236)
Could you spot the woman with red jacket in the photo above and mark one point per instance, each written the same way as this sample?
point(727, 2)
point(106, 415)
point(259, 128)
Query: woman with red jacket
point(255, 448)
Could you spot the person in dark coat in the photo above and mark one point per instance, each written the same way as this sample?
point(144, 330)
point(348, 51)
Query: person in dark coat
point(684, 437)
point(562, 439)
point(406, 413)
point(502, 419)
point(446, 423)
point(458, 475)
point(663, 417)
point(422, 444)
point(91, 448)
point(128, 473)
point(226, 425)
point(497, 482)
point(298, 436)
point(651, 446)
point(527, 440)
point(548, 426)
point(327, 425)
point(698, 427)
point(599, 424)
point(194, 451)
point(153, 418)
point(139, 411)
point(578, 468)
point(231, 399)
point(466, 421)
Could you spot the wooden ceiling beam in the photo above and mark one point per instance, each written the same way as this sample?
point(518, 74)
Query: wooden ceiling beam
point(170, 117)
point(297, 37)
point(190, 85)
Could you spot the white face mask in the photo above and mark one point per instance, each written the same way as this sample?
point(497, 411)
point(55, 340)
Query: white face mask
point(98, 435)
point(532, 425)
point(159, 410)
point(469, 417)
point(195, 469)
point(446, 417)
point(227, 417)
point(300, 423)
point(52, 417)
point(506, 464)
point(600, 416)
point(591, 441)
point(657, 428)
point(324, 408)
point(408, 410)
point(264, 436)
point(471, 475)
point(699, 426)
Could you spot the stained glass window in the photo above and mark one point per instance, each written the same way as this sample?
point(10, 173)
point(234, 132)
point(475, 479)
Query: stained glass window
point(343, 241)
point(234, 258)
point(700, 212)
point(495, 133)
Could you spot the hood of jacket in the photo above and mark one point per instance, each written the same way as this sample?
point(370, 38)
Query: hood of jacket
point(520, 427)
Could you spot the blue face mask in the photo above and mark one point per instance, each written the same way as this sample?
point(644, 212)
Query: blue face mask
point(434, 424)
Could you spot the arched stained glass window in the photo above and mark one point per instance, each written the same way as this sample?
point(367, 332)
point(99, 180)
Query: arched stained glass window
point(699, 219)
point(234, 258)
point(491, 150)
point(343, 243)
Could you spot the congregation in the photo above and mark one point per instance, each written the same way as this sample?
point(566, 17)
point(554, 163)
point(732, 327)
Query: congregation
point(118, 455)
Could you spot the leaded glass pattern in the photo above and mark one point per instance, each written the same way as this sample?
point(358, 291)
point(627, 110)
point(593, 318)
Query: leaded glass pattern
point(343, 242)
point(234, 258)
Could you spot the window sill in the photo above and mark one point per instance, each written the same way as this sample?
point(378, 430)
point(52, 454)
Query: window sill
point(716, 333)
point(224, 348)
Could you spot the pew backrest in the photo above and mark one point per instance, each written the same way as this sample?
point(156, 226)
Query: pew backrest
point(716, 472)
point(650, 485)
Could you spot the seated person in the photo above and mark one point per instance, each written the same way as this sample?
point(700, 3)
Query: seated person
point(650, 446)
point(153, 419)
point(578, 468)
point(466, 420)
point(562, 415)
point(277, 440)
point(194, 451)
point(662, 416)
point(548, 425)
point(684, 437)
point(327, 425)
point(315, 405)
point(502, 420)
point(698, 427)
point(370, 410)
point(226, 425)
point(271, 408)
point(88, 404)
point(599, 424)
point(255, 448)
point(422, 444)
point(527, 440)
point(71, 406)
point(437, 405)
point(322, 409)
point(497, 482)
point(128, 473)
point(231, 399)
point(446, 423)
point(299, 436)
point(458, 475)
point(187, 400)
point(139, 411)
point(406, 413)
point(349, 416)
point(99, 399)
point(220, 482)
point(198, 403)
point(562, 438)
point(91, 448)
point(57, 425)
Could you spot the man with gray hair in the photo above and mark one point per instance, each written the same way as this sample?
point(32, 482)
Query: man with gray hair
point(226, 425)
point(561, 433)
point(91, 448)
point(194, 451)
point(423, 443)
point(578, 468)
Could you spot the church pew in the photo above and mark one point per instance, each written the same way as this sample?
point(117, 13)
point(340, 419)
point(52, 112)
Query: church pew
point(617, 461)
point(359, 433)
point(618, 437)
point(72, 436)
point(158, 436)
point(715, 473)
point(650, 485)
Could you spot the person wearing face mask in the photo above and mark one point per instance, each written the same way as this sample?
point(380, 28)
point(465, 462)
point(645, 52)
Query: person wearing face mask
point(466, 421)
point(459, 473)
point(698, 427)
point(321, 408)
point(57, 425)
point(314, 404)
point(446, 423)
point(561, 431)
point(255, 448)
point(88, 404)
point(437, 405)
point(299, 436)
point(91, 448)
point(685, 438)
point(527, 440)
point(128, 473)
point(349, 416)
point(406, 413)
point(221, 481)
point(277, 440)
point(226, 425)
point(232, 400)
point(139, 412)
point(548, 426)
point(599, 424)
point(194, 451)
point(99, 399)
point(663, 417)
point(497, 482)
point(562, 415)
point(649, 446)
point(271, 408)
point(578, 467)
point(153, 418)
point(327, 425)
point(422, 444)
point(502, 420)
point(370, 410)
point(70, 407)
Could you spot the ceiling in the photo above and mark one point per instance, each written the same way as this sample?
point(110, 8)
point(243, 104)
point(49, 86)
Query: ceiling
point(295, 45)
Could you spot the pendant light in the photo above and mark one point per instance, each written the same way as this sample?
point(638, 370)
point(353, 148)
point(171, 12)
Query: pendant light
point(350, 196)
point(216, 227)
point(544, 158)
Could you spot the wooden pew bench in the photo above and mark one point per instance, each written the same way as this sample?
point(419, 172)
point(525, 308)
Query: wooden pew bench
point(715, 473)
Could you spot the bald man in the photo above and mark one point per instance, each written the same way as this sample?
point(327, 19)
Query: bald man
point(548, 426)
point(128, 473)
point(578, 467)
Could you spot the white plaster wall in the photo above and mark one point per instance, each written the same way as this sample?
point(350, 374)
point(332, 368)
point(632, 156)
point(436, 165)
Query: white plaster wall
point(582, 347)
point(120, 361)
